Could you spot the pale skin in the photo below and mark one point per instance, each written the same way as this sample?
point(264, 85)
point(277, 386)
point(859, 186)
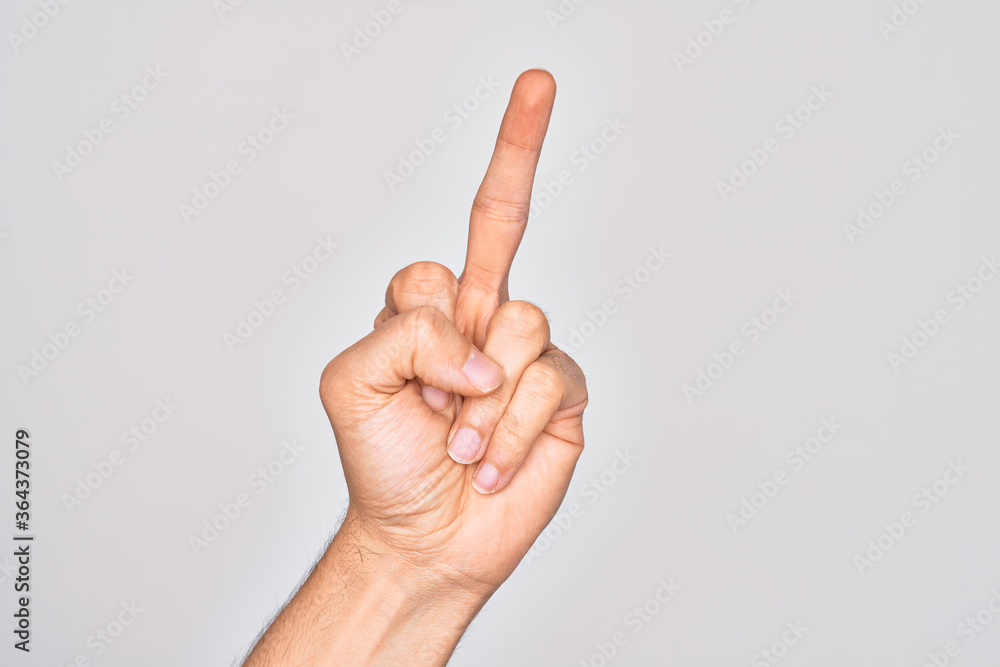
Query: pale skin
point(458, 424)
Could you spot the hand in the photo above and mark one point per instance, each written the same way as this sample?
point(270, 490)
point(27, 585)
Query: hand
point(417, 389)
point(459, 425)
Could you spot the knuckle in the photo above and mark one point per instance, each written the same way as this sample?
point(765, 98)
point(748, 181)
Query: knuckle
point(425, 278)
point(484, 413)
point(570, 369)
point(524, 319)
point(527, 150)
point(503, 210)
point(509, 431)
point(543, 381)
point(483, 282)
point(426, 323)
point(330, 380)
point(505, 448)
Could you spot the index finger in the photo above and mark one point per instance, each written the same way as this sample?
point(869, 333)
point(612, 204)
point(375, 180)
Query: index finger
point(500, 210)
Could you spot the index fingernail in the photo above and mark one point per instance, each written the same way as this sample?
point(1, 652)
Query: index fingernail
point(482, 372)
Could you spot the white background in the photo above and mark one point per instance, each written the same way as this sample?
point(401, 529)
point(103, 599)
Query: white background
point(656, 185)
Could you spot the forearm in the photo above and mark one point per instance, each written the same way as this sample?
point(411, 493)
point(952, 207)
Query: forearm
point(362, 606)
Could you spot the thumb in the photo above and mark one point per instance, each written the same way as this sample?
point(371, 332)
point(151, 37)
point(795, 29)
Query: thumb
point(419, 344)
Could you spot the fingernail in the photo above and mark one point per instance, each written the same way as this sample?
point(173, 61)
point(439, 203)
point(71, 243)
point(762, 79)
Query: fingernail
point(465, 445)
point(482, 372)
point(486, 479)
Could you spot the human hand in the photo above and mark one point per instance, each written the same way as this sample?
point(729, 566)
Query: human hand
point(459, 425)
point(419, 399)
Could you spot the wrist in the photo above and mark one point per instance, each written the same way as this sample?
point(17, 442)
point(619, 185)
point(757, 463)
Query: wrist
point(367, 604)
point(402, 608)
point(418, 564)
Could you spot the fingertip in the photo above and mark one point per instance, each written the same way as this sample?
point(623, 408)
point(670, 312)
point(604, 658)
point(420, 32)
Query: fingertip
point(465, 446)
point(536, 86)
point(482, 372)
point(436, 399)
point(486, 478)
point(531, 103)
